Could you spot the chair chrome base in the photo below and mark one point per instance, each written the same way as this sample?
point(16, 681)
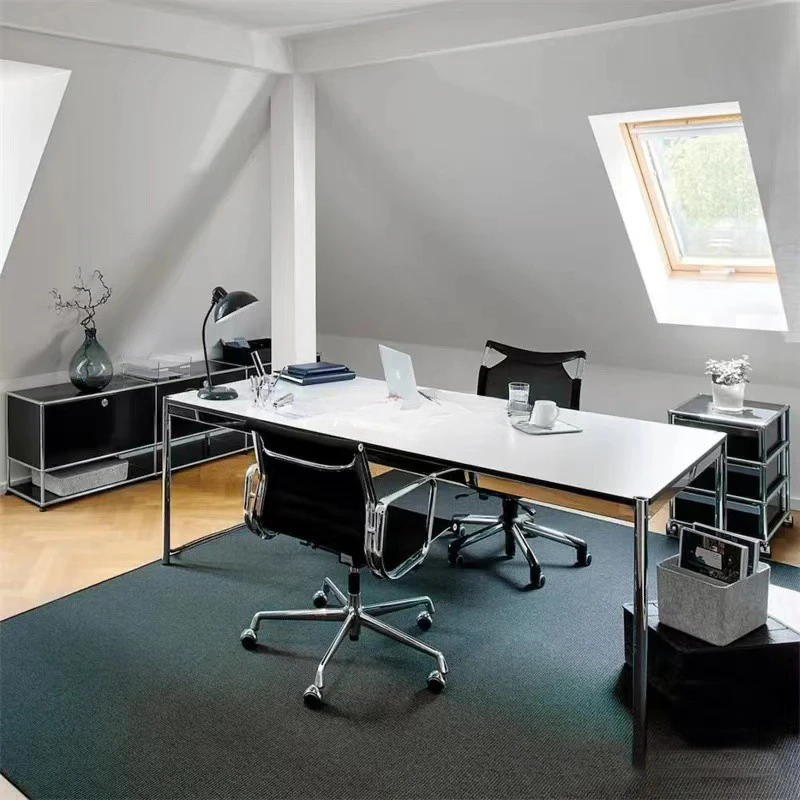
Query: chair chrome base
point(517, 524)
point(353, 615)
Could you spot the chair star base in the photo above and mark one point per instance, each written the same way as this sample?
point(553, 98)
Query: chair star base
point(353, 615)
point(517, 524)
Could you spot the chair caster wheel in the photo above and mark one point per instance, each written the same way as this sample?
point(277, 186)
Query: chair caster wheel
point(789, 521)
point(436, 682)
point(424, 620)
point(312, 697)
point(248, 639)
point(453, 556)
point(537, 580)
point(584, 559)
point(320, 599)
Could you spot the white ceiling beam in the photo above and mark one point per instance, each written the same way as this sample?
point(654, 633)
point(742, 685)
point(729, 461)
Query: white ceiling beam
point(453, 27)
point(151, 30)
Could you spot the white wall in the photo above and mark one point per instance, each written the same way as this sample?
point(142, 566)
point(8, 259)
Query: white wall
point(157, 173)
point(462, 197)
point(642, 394)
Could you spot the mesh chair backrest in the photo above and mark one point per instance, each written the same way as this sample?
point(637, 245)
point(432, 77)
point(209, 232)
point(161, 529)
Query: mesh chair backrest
point(552, 376)
point(323, 507)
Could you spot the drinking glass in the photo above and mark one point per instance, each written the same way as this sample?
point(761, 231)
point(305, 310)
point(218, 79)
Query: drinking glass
point(518, 394)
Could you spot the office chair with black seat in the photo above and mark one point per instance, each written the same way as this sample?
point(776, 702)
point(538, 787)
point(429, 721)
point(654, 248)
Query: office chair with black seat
point(320, 491)
point(551, 376)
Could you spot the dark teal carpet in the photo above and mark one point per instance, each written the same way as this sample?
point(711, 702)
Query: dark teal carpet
point(138, 687)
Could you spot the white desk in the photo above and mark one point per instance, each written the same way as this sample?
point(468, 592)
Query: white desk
point(627, 461)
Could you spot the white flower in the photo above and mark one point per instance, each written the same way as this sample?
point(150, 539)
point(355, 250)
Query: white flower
point(729, 373)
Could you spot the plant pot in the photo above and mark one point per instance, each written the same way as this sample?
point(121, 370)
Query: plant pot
point(90, 369)
point(728, 398)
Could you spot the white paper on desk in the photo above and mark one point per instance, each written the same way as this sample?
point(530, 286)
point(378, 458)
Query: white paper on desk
point(390, 415)
point(303, 409)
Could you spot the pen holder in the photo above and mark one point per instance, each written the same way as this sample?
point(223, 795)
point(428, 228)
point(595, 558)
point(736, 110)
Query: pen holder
point(716, 612)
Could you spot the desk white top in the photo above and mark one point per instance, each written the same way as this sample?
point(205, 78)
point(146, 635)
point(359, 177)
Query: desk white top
point(616, 457)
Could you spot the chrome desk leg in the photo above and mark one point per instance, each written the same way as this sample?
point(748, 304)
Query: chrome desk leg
point(639, 655)
point(721, 487)
point(166, 477)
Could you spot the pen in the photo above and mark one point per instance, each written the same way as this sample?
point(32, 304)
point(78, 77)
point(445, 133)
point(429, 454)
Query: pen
point(430, 396)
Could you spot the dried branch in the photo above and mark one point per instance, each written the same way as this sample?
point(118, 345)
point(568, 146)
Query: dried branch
point(83, 291)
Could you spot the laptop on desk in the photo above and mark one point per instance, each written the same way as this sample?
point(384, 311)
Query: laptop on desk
point(398, 370)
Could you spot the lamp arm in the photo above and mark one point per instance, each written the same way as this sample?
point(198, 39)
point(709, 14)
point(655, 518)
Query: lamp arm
point(205, 351)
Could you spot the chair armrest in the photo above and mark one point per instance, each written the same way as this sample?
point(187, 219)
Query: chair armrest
point(254, 487)
point(408, 488)
point(376, 528)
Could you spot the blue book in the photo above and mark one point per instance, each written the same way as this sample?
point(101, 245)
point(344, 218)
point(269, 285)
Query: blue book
point(315, 368)
point(325, 377)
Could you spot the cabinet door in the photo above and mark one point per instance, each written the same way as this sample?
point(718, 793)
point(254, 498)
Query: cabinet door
point(742, 442)
point(98, 425)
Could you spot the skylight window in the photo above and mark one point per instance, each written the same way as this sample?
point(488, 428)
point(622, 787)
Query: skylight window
point(697, 179)
point(30, 96)
point(685, 186)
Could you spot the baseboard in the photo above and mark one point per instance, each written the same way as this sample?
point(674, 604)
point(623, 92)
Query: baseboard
point(3, 487)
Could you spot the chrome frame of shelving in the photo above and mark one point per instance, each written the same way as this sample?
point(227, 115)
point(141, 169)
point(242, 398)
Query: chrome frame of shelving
point(42, 504)
point(782, 451)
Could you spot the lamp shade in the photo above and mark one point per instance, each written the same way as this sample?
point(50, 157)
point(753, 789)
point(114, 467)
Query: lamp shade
point(232, 303)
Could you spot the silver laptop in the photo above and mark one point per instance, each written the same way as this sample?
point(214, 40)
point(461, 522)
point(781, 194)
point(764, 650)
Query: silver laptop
point(399, 373)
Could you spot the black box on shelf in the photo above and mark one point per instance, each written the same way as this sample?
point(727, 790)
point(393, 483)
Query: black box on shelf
point(243, 355)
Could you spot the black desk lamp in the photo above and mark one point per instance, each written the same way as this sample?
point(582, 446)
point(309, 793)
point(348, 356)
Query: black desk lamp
point(223, 305)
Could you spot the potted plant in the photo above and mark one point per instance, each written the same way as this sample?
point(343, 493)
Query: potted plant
point(90, 369)
point(728, 381)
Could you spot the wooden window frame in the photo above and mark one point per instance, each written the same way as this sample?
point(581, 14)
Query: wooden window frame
point(742, 269)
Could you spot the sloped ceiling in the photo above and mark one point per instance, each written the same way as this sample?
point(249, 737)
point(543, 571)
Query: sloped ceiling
point(156, 173)
point(462, 197)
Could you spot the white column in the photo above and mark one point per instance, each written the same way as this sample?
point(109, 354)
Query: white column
point(293, 217)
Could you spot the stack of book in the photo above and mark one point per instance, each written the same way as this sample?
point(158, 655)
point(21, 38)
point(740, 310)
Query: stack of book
point(317, 372)
point(721, 555)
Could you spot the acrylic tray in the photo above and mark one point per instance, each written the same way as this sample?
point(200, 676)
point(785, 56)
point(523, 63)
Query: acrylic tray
point(535, 430)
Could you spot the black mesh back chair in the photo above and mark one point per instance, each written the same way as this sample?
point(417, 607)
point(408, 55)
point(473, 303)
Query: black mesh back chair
point(551, 376)
point(320, 491)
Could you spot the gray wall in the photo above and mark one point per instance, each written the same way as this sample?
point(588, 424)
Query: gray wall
point(462, 197)
point(156, 172)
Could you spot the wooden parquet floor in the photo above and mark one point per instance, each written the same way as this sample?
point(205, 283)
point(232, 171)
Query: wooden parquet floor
point(45, 555)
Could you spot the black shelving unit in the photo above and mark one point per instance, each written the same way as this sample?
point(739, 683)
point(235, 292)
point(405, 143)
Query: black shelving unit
point(758, 468)
point(52, 428)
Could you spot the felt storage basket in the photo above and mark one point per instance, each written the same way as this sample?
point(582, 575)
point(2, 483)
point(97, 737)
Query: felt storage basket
point(709, 609)
point(82, 478)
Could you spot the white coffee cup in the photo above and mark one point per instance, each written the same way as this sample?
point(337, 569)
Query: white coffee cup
point(544, 414)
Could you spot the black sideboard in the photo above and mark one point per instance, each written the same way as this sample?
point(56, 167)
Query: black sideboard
point(55, 429)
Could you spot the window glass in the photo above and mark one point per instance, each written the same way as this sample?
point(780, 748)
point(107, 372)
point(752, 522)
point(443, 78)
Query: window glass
point(706, 199)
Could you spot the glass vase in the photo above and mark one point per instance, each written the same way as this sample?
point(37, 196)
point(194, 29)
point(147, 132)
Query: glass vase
point(728, 398)
point(90, 369)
